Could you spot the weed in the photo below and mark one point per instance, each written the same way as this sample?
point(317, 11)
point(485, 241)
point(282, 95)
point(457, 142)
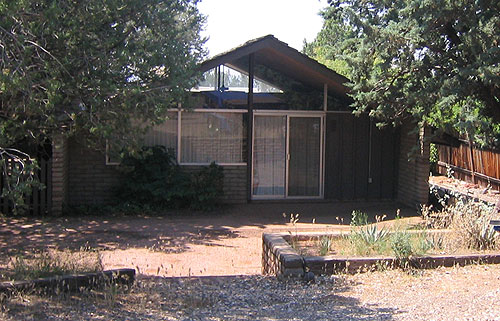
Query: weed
point(359, 218)
point(294, 218)
point(471, 223)
point(53, 262)
point(325, 244)
point(401, 245)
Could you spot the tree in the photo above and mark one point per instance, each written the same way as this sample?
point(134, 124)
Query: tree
point(101, 70)
point(437, 62)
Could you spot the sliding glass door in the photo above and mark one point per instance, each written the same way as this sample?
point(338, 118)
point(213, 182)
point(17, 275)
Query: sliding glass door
point(287, 157)
point(269, 155)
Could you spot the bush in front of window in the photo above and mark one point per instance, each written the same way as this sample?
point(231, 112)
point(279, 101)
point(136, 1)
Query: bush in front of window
point(153, 179)
point(207, 187)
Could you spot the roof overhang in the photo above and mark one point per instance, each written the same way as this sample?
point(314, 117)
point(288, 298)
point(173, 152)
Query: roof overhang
point(278, 56)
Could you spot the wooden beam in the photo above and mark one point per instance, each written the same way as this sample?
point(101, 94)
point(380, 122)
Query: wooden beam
point(325, 97)
point(250, 125)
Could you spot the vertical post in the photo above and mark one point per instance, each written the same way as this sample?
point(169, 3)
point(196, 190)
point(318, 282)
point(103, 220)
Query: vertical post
point(59, 175)
point(472, 167)
point(325, 97)
point(250, 125)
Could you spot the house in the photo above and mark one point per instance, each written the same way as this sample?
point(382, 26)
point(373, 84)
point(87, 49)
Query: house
point(287, 134)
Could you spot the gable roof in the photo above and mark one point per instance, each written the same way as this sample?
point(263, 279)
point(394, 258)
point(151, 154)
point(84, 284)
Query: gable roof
point(277, 55)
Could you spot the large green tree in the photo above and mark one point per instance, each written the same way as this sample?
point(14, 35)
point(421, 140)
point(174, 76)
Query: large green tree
point(97, 69)
point(437, 61)
point(91, 67)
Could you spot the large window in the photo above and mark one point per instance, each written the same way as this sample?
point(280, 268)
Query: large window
point(212, 136)
point(164, 134)
point(205, 137)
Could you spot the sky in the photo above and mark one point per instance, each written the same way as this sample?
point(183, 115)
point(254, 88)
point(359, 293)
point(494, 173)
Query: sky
point(231, 23)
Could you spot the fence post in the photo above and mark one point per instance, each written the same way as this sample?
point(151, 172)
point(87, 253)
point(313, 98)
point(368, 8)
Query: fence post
point(59, 173)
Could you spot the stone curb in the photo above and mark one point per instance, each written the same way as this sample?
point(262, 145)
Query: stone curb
point(291, 263)
point(71, 283)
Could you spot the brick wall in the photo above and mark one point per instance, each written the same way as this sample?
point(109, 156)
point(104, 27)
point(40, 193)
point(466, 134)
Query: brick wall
point(413, 166)
point(59, 174)
point(91, 181)
point(235, 182)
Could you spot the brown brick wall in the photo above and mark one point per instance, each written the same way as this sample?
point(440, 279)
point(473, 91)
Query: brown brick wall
point(413, 169)
point(91, 181)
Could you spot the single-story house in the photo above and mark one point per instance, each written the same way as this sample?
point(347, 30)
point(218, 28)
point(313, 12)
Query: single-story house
point(287, 134)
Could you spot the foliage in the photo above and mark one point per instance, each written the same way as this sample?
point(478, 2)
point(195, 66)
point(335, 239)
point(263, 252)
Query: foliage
point(18, 171)
point(433, 158)
point(153, 179)
point(206, 187)
point(325, 244)
point(359, 218)
point(102, 70)
point(434, 61)
point(152, 176)
point(468, 219)
point(93, 66)
point(471, 223)
point(371, 234)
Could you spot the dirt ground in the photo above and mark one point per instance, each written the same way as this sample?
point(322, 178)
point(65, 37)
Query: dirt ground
point(227, 244)
point(181, 243)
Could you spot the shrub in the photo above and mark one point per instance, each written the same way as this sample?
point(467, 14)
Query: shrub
point(471, 224)
point(369, 239)
point(206, 187)
point(469, 221)
point(152, 176)
point(153, 180)
point(401, 245)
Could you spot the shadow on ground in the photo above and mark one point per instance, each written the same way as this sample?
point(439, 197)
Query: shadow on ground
point(227, 298)
point(174, 231)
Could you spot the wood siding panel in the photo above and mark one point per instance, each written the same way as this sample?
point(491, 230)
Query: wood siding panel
point(333, 157)
point(347, 162)
point(347, 159)
point(361, 152)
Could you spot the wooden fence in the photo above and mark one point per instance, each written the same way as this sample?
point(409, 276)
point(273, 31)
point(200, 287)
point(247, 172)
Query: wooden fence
point(474, 165)
point(39, 201)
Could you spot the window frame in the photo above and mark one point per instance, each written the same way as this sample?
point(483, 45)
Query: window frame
point(180, 111)
point(179, 135)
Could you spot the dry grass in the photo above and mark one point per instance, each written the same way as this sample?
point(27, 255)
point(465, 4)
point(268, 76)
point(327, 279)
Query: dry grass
point(469, 222)
point(53, 262)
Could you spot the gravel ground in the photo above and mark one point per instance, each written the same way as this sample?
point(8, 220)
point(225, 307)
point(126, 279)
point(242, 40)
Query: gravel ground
point(465, 293)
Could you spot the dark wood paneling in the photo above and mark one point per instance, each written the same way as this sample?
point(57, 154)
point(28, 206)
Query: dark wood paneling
point(361, 150)
point(374, 190)
point(347, 158)
point(387, 163)
point(333, 146)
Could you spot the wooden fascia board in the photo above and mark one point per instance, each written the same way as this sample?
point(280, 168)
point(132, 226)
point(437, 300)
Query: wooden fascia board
point(235, 54)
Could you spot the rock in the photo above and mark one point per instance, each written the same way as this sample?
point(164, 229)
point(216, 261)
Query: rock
point(309, 277)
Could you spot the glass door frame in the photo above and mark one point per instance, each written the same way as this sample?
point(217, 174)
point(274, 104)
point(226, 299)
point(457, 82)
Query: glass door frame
point(289, 114)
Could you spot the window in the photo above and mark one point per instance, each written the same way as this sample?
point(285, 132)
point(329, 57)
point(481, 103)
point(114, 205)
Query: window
point(164, 134)
point(205, 137)
point(212, 136)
